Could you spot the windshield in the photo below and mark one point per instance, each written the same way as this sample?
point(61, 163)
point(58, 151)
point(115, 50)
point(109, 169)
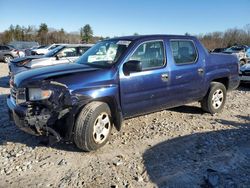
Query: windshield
point(53, 52)
point(105, 53)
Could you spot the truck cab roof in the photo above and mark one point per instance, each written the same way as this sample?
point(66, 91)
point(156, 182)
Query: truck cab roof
point(145, 37)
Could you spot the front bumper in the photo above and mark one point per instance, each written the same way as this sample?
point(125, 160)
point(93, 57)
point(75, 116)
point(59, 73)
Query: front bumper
point(18, 114)
point(42, 124)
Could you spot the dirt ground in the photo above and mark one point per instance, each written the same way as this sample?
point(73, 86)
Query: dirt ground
point(180, 147)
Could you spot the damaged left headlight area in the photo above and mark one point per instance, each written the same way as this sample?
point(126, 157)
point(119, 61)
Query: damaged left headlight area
point(44, 107)
point(19, 95)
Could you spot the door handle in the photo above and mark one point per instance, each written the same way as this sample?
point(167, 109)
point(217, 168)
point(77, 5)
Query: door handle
point(200, 70)
point(164, 77)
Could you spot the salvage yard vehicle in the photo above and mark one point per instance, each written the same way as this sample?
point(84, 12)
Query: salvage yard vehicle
point(118, 79)
point(7, 53)
point(241, 52)
point(45, 50)
point(67, 53)
point(22, 46)
point(245, 73)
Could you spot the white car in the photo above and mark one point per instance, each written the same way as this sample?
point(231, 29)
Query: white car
point(45, 50)
point(67, 53)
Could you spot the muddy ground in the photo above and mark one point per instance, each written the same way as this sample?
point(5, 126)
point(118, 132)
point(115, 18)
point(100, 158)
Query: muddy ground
point(180, 147)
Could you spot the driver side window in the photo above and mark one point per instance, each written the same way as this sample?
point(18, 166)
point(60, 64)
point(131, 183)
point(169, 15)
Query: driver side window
point(150, 54)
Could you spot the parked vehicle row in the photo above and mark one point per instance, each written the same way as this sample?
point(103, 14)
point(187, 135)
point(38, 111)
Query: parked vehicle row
point(67, 53)
point(18, 49)
point(117, 79)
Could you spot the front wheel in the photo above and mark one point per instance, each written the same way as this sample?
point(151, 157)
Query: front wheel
point(93, 126)
point(215, 99)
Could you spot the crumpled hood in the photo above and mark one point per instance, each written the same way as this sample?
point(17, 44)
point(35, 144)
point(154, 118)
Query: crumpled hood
point(40, 74)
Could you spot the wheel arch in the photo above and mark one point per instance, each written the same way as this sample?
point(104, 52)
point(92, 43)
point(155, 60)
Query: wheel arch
point(223, 80)
point(114, 108)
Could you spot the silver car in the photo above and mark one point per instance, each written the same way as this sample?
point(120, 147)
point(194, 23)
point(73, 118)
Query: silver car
point(7, 53)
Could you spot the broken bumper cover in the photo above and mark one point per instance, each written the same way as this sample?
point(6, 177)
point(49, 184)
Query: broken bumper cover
point(36, 125)
point(17, 114)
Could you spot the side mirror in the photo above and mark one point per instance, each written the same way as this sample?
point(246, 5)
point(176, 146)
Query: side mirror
point(132, 66)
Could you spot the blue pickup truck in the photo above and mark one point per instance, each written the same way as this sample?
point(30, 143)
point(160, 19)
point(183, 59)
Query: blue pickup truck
point(118, 79)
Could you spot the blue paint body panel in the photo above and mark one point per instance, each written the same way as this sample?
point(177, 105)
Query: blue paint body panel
point(140, 92)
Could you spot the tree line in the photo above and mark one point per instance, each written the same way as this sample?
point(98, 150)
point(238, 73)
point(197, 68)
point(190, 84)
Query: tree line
point(230, 37)
point(45, 35)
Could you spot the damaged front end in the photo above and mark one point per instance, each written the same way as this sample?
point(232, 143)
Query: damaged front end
point(43, 109)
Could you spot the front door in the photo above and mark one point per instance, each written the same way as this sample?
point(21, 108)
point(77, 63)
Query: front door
point(145, 91)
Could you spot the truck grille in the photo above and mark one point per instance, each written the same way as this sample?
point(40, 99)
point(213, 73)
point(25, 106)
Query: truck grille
point(13, 93)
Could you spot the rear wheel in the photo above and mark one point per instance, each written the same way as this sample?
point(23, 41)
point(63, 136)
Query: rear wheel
point(7, 58)
point(215, 99)
point(93, 126)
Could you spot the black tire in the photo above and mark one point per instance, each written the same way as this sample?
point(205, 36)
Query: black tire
point(242, 62)
point(7, 58)
point(208, 104)
point(86, 127)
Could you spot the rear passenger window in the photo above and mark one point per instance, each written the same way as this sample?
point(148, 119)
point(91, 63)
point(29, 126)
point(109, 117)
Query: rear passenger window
point(150, 54)
point(183, 51)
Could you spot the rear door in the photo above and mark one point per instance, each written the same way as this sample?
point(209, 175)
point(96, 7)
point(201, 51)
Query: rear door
point(187, 71)
point(145, 91)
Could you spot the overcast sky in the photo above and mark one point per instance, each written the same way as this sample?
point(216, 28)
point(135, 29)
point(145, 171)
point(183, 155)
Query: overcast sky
point(125, 17)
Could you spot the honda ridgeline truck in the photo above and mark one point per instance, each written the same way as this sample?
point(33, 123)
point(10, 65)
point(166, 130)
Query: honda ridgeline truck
point(118, 79)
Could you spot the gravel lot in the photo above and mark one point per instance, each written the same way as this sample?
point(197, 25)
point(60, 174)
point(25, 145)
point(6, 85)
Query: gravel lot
point(180, 147)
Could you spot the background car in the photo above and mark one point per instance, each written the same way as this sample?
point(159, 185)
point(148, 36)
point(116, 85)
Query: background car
point(46, 49)
point(245, 73)
point(239, 52)
point(22, 46)
point(7, 53)
point(28, 51)
point(67, 53)
point(218, 50)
